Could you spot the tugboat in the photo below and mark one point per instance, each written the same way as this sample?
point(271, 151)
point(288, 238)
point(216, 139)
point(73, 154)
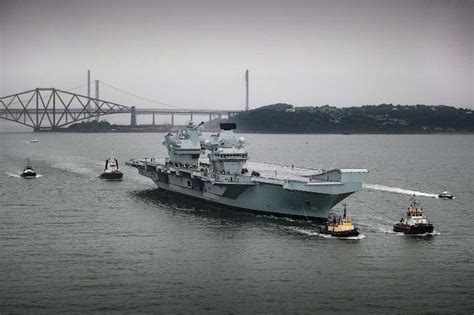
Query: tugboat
point(415, 223)
point(445, 195)
point(111, 171)
point(34, 140)
point(28, 171)
point(340, 226)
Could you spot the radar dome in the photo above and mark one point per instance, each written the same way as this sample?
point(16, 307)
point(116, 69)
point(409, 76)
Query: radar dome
point(241, 139)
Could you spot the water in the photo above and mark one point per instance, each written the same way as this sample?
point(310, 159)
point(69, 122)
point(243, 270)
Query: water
point(71, 242)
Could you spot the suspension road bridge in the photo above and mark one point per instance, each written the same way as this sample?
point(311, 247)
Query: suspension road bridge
point(51, 108)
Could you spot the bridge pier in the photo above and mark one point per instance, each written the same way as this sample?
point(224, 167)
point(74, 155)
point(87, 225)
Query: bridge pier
point(133, 117)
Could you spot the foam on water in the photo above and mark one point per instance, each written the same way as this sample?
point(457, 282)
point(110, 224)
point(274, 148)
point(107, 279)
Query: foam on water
point(419, 235)
point(387, 229)
point(273, 217)
point(77, 168)
point(13, 175)
point(316, 233)
point(18, 176)
point(398, 190)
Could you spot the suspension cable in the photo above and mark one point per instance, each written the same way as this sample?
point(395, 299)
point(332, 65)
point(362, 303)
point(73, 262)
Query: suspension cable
point(139, 97)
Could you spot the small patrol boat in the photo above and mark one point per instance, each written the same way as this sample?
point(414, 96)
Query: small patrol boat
point(416, 221)
point(445, 195)
point(111, 171)
point(34, 140)
point(28, 171)
point(340, 226)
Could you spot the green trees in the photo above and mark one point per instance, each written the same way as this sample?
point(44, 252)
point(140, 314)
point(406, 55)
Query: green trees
point(384, 118)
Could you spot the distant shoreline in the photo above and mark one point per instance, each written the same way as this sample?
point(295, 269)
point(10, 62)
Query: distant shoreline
point(158, 130)
point(246, 132)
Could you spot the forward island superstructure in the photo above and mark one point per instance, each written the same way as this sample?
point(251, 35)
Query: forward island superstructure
point(227, 178)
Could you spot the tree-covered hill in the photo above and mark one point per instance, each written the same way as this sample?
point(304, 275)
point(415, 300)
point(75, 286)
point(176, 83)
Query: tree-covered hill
point(384, 118)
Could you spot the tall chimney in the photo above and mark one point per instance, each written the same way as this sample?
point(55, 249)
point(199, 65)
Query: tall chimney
point(246, 90)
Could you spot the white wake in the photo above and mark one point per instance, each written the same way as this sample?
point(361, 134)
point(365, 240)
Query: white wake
point(13, 175)
point(316, 233)
point(19, 176)
point(399, 190)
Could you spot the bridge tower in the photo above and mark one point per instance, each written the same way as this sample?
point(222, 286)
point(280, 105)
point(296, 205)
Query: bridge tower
point(246, 89)
point(97, 95)
point(89, 106)
point(133, 119)
point(88, 83)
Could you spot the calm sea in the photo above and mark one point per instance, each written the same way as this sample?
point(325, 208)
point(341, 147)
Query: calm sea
point(70, 242)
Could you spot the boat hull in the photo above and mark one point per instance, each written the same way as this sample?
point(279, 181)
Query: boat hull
point(445, 197)
point(29, 175)
point(413, 229)
point(111, 176)
point(258, 197)
point(350, 233)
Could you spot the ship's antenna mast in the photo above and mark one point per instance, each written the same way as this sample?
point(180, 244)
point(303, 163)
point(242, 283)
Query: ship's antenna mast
point(200, 124)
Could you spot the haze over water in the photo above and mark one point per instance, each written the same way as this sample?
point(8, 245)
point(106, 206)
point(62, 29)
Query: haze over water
point(193, 54)
point(71, 242)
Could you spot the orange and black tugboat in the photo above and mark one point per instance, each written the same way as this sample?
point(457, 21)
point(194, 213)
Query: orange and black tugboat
point(340, 226)
point(415, 223)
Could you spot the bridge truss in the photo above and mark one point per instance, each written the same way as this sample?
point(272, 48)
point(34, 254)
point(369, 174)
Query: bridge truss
point(50, 108)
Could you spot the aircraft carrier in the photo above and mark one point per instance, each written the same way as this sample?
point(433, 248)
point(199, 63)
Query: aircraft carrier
point(217, 170)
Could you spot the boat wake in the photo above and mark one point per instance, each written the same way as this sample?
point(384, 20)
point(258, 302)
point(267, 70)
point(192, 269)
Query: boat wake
point(388, 229)
point(398, 190)
point(13, 175)
point(420, 235)
point(76, 168)
point(18, 176)
point(316, 233)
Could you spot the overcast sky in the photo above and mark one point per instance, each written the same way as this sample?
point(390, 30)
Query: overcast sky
point(194, 54)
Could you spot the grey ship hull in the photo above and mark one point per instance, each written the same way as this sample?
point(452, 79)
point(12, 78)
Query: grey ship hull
point(282, 198)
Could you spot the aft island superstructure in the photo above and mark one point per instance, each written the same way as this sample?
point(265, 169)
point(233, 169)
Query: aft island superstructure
point(227, 178)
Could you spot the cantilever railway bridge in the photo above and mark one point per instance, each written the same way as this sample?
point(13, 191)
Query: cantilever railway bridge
point(50, 109)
